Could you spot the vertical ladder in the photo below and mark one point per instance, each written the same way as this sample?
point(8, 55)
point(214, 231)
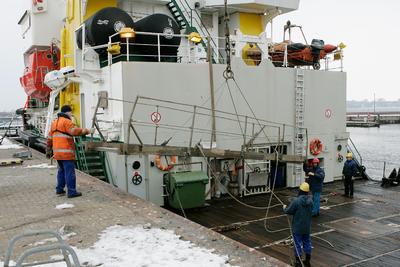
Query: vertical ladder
point(300, 132)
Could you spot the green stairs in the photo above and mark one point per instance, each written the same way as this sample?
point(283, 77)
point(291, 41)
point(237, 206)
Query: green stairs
point(177, 13)
point(184, 23)
point(90, 162)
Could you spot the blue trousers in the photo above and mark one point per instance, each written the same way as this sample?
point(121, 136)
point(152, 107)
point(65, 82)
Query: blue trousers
point(66, 176)
point(316, 199)
point(302, 242)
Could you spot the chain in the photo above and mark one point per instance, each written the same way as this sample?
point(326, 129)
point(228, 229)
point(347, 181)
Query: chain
point(228, 73)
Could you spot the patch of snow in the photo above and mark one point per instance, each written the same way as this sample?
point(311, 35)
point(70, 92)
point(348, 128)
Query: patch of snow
point(136, 246)
point(121, 246)
point(40, 166)
point(7, 144)
point(65, 206)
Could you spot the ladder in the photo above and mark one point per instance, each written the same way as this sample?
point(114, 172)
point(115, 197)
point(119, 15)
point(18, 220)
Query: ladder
point(90, 162)
point(178, 9)
point(50, 110)
point(300, 132)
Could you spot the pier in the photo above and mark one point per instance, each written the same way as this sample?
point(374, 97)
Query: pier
point(28, 202)
point(372, 119)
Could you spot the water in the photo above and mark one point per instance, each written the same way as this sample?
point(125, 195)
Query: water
point(377, 145)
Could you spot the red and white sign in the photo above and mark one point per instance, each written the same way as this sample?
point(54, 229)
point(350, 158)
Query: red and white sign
point(155, 117)
point(328, 113)
point(39, 6)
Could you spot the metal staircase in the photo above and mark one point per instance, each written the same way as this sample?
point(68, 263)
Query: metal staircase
point(90, 162)
point(351, 147)
point(300, 131)
point(189, 19)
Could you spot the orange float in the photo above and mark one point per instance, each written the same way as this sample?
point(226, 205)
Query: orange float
point(316, 146)
point(162, 167)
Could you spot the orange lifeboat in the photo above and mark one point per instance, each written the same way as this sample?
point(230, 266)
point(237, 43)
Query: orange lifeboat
point(299, 54)
point(37, 64)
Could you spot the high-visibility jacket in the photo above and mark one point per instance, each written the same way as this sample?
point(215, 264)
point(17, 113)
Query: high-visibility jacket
point(60, 138)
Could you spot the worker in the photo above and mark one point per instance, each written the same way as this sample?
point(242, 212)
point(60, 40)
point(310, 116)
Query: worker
point(60, 145)
point(316, 177)
point(349, 171)
point(301, 209)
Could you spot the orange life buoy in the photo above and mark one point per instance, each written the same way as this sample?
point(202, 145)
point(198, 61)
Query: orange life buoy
point(316, 146)
point(162, 167)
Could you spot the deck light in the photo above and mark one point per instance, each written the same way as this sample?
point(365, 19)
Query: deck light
point(115, 49)
point(195, 37)
point(127, 33)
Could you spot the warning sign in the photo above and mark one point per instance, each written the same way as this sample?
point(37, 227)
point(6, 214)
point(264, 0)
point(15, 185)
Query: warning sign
point(155, 117)
point(328, 113)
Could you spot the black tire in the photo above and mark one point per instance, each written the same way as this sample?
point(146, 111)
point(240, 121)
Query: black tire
point(316, 66)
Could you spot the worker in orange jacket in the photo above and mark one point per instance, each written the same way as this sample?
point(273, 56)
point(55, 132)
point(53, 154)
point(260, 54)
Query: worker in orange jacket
point(60, 145)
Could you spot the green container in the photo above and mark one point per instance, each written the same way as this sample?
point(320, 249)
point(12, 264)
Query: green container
point(188, 188)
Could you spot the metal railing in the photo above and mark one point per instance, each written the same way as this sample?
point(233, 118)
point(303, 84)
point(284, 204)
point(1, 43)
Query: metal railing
point(195, 16)
point(187, 51)
point(196, 125)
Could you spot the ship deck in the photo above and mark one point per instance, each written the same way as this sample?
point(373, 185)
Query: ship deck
point(28, 202)
point(363, 231)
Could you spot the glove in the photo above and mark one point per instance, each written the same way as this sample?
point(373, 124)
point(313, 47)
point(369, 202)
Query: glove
point(85, 131)
point(49, 153)
point(284, 207)
point(310, 174)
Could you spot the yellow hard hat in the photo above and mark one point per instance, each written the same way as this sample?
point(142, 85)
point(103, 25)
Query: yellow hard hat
point(349, 155)
point(305, 187)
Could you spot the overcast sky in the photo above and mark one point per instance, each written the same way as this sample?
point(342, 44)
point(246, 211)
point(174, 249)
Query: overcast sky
point(369, 28)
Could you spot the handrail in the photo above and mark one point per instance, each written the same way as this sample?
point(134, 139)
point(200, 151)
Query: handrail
point(199, 22)
point(356, 150)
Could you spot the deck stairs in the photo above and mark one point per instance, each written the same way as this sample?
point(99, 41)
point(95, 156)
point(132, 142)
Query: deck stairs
point(188, 18)
point(90, 162)
point(357, 157)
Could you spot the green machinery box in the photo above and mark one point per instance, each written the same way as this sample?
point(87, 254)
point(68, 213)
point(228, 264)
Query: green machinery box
point(188, 188)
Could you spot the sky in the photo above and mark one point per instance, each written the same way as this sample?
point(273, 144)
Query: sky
point(369, 28)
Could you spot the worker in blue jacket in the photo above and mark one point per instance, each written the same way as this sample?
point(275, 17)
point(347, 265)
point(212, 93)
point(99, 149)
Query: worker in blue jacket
point(316, 177)
point(349, 171)
point(301, 209)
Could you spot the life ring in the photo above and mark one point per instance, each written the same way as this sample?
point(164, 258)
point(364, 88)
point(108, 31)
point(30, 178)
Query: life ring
point(316, 146)
point(162, 167)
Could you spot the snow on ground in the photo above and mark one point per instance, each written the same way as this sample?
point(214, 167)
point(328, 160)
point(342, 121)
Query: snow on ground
point(139, 246)
point(40, 166)
point(7, 144)
point(65, 206)
point(121, 246)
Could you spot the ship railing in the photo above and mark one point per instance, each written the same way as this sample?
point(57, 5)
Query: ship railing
point(152, 121)
point(188, 51)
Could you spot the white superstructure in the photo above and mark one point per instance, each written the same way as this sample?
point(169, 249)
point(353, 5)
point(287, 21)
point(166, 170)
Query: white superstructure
point(268, 108)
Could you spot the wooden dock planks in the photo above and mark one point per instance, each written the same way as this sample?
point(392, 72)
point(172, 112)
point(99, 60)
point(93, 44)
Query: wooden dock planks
point(372, 203)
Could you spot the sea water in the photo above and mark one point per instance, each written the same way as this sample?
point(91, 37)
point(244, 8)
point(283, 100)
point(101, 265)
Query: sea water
point(377, 146)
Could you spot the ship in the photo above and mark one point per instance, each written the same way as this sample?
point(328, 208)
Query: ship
point(186, 98)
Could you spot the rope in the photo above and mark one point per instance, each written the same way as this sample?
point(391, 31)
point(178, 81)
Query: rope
point(236, 112)
point(230, 194)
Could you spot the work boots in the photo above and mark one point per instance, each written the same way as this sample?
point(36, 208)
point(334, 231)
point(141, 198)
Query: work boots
point(306, 262)
point(298, 262)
